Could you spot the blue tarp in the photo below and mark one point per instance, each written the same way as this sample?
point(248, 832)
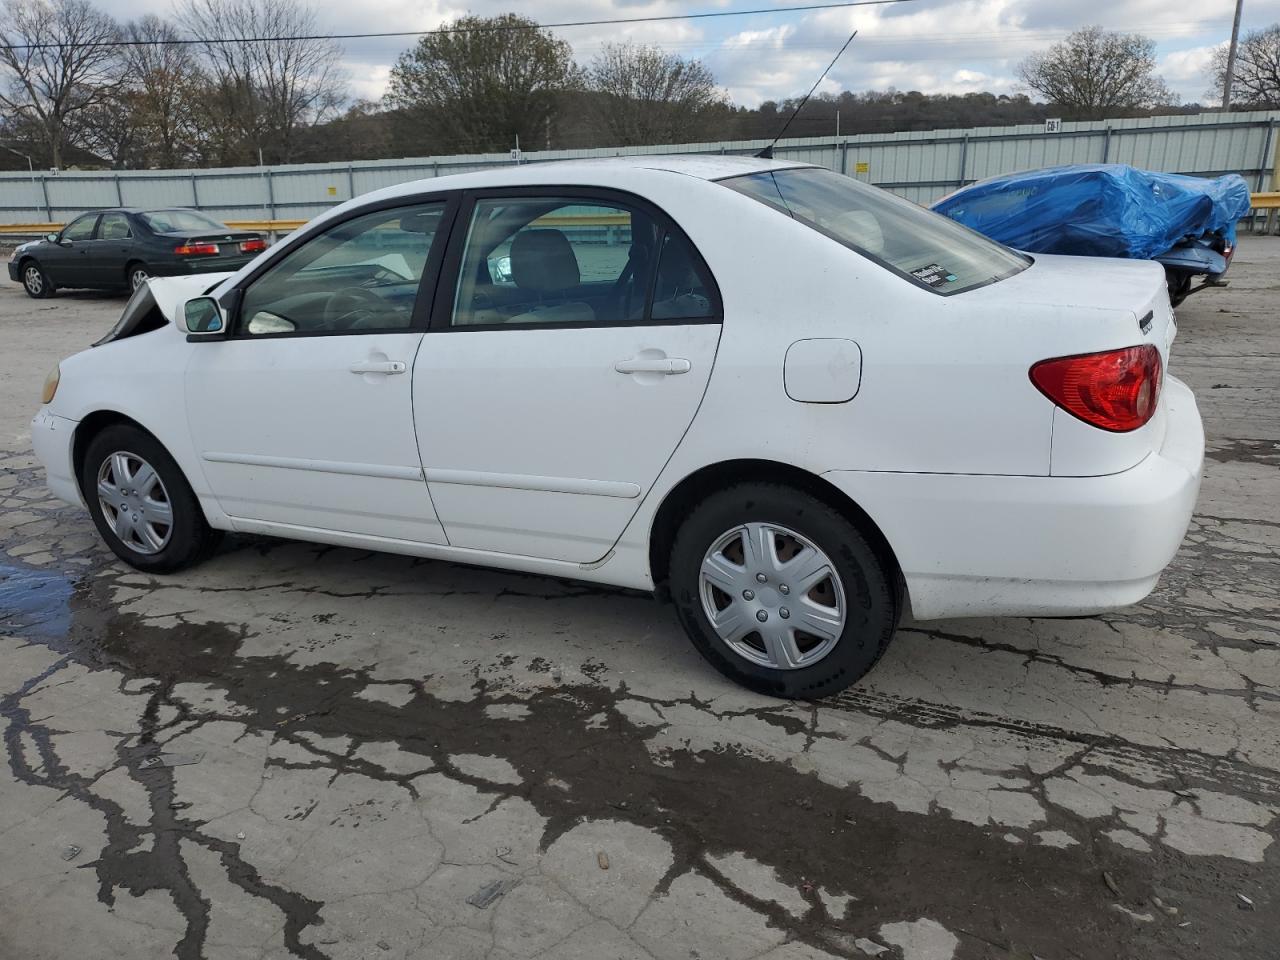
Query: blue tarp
point(1099, 209)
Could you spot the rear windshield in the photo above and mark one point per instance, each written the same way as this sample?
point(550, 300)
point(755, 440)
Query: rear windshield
point(181, 221)
point(924, 247)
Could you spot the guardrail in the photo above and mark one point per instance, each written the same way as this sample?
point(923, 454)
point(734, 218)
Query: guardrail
point(1267, 201)
point(1270, 202)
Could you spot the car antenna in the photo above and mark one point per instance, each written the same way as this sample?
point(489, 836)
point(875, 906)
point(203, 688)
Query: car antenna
point(767, 152)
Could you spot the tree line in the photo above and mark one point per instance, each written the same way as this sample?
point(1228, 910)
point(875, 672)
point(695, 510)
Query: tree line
point(242, 82)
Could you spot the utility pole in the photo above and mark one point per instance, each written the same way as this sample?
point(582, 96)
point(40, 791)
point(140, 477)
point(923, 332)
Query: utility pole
point(1231, 58)
point(837, 124)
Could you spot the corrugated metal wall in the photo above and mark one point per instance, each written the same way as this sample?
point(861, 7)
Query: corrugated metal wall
point(920, 166)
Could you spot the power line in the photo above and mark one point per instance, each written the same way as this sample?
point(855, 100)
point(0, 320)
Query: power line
point(489, 28)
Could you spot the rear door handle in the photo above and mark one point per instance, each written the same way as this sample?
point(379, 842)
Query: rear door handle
point(667, 365)
point(379, 366)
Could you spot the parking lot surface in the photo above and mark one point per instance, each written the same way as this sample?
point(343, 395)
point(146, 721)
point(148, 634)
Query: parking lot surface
point(367, 756)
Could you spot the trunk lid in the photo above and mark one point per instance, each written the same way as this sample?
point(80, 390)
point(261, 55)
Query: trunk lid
point(228, 242)
point(1098, 283)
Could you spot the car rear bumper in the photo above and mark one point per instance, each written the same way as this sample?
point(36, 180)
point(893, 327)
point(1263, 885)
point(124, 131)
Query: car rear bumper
point(185, 268)
point(1039, 546)
point(52, 439)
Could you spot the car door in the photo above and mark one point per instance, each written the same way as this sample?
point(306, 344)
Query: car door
point(302, 416)
point(110, 250)
point(569, 348)
point(67, 261)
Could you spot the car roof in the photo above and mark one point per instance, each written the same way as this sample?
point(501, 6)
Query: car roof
point(606, 171)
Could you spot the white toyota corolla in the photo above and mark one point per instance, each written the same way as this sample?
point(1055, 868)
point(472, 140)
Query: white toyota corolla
point(789, 401)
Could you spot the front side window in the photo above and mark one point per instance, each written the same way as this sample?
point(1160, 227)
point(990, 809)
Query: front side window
point(114, 226)
point(915, 243)
point(555, 260)
point(81, 229)
point(359, 276)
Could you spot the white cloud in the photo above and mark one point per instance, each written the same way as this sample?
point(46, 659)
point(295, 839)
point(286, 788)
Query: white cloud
point(928, 45)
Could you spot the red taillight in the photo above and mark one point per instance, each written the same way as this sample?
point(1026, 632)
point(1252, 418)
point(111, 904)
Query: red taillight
point(253, 246)
point(196, 250)
point(1116, 390)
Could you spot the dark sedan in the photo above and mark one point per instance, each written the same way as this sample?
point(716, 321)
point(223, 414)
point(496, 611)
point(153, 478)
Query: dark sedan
point(119, 249)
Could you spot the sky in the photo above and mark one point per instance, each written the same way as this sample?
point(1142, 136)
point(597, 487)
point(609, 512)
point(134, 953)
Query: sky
point(934, 46)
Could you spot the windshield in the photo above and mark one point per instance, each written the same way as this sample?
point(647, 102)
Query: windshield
point(928, 249)
point(181, 221)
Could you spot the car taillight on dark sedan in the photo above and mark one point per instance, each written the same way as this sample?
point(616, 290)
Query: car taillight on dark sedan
point(196, 249)
point(1115, 390)
point(253, 246)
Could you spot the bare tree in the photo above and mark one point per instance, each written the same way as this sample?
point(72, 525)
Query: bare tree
point(648, 96)
point(60, 62)
point(481, 82)
point(1257, 73)
point(268, 80)
point(1095, 73)
point(166, 87)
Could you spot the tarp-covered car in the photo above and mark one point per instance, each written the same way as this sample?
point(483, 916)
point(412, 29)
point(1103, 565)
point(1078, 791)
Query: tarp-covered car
point(1111, 210)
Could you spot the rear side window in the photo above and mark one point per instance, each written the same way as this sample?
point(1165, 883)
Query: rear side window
point(682, 290)
point(114, 226)
point(928, 249)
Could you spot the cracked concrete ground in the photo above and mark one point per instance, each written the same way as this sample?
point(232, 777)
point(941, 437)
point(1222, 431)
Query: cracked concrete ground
point(382, 741)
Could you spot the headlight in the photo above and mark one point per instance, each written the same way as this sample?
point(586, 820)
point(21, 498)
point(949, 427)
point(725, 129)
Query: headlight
point(50, 385)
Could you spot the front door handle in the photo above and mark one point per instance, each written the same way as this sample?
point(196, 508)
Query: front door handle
point(667, 365)
point(379, 366)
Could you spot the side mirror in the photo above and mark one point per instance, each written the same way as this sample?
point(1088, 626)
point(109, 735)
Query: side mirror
point(204, 318)
point(51, 237)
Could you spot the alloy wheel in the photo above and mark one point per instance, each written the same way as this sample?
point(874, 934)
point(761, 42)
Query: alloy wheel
point(33, 279)
point(135, 503)
point(773, 596)
point(137, 277)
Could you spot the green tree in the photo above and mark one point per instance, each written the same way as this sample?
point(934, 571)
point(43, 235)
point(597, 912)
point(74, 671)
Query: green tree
point(478, 83)
point(1095, 73)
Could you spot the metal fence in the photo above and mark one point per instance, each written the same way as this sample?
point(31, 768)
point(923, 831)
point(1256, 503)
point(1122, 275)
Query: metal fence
point(920, 166)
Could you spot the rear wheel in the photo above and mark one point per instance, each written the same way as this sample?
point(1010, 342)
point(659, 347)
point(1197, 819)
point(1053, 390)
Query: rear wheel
point(136, 275)
point(781, 592)
point(141, 503)
point(1179, 286)
point(35, 281)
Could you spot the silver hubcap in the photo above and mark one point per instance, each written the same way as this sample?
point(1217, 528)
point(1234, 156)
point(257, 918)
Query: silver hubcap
point(135, 502)
point(773, 596)
point(137, 278)
point(35, 282)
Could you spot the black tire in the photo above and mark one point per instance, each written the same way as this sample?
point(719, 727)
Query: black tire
point(190, 538)
point(1179, 286)
point(870, 587)
point(35, 281)
point(135, 268)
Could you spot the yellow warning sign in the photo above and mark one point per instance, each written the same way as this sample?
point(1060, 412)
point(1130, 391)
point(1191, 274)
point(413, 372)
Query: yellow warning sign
point(333, 191)
point(862, 166)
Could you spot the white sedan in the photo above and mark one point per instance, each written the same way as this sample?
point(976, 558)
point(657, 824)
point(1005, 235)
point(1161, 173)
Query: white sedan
point(790, 402)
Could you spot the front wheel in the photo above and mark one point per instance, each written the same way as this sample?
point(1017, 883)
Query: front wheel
point(35, 281)
point(781, 592)
point(141, 503)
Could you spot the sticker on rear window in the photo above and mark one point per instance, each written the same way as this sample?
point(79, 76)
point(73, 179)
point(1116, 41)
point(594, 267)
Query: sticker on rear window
point(933, 275)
